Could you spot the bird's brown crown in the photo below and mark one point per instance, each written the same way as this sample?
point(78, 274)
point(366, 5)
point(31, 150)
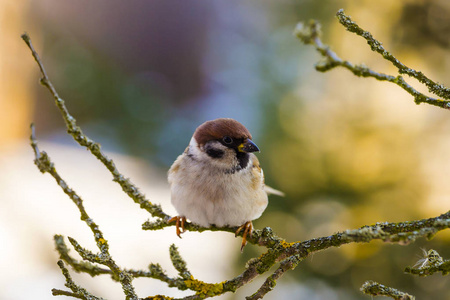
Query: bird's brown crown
point(218, 128)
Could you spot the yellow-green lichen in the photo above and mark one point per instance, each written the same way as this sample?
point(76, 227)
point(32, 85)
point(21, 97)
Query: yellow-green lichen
point(159, 297)
point(203, 288)
point(285, 244)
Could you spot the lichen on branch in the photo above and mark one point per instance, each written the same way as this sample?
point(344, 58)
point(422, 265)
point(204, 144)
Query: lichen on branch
point(310, 34)
point(375, 289)
point(431, 263)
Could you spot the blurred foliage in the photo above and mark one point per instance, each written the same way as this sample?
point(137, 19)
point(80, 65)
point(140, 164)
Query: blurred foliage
point(329, 141)
point(424, 23)
point(110, 102)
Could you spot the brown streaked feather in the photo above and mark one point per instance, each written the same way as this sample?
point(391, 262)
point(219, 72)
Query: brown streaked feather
point(257, 178)
point(174, 168)
point(257, 174)
point(218, 128)
point(256, 164)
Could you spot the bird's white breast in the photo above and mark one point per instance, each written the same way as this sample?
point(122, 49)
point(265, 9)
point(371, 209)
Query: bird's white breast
point(207, 195)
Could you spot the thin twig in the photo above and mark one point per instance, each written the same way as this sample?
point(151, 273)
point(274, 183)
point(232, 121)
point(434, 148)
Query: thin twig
point(45, 165)
point(78, 266)
point(375, 45)
point(271, 281)
point(154, 270)
point(310, 34)
point(75, 131)
point(374, 289)
point(76, 289)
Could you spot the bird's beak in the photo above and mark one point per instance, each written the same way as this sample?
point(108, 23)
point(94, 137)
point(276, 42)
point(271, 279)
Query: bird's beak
point(248, 146)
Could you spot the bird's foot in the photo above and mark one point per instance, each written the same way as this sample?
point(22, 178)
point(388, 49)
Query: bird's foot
point(248, 229)
point(180, 220)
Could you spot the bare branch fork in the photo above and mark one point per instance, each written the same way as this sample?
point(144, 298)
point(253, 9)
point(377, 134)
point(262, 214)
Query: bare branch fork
point(287, 255)
point(310, 34)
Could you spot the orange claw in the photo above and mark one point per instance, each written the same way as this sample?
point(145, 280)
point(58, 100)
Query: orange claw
point(180, 220)
point(248, 229)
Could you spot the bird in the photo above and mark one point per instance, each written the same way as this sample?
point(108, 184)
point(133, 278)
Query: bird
point(218, 181)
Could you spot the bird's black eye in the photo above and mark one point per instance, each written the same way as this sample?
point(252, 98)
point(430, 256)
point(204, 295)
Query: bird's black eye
point(227, 140)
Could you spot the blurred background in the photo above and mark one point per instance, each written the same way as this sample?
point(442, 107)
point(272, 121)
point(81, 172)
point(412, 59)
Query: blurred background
point(140, 76)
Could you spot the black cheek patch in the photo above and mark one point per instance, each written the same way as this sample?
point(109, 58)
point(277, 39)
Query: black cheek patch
point(214, 153)
point(243, 159)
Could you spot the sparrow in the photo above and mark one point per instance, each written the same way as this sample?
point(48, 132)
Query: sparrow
point(218, 180)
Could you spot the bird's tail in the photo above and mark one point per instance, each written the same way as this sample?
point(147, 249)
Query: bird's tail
point(271, 191)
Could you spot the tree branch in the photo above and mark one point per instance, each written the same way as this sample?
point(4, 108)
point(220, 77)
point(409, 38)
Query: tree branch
point(75, 131)
point(45, 165)
point(271, 281)
point(433, 87)
point(78, 292)
point(310, 34)
point(78, 266)
point(376, 289)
